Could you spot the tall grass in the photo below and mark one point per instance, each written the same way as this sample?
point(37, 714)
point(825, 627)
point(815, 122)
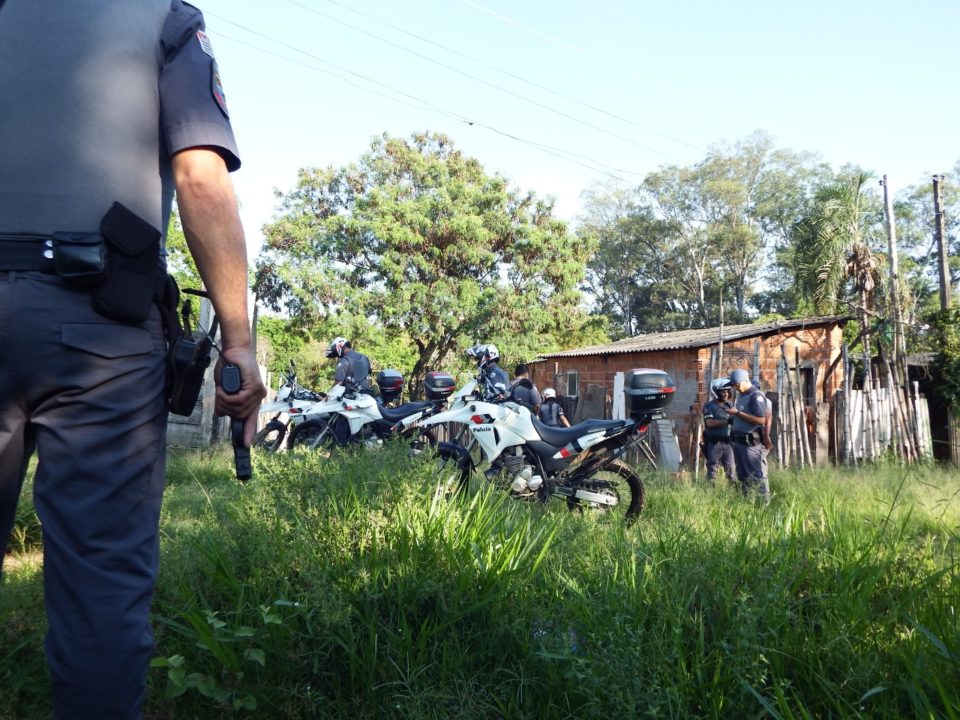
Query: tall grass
point(348, 588)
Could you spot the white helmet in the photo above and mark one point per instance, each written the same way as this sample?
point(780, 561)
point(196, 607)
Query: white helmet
point(549, 393)
point(335, 348)
point(719, 385)
point(483, 353)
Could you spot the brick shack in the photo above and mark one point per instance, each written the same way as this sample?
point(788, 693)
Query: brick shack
point(812, 347)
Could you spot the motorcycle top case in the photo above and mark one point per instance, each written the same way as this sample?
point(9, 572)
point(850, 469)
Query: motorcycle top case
point(439, 385)
point(390, 382)
point(647, 390)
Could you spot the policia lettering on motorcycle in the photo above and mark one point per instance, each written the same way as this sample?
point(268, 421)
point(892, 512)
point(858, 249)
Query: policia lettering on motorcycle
point(116, 106)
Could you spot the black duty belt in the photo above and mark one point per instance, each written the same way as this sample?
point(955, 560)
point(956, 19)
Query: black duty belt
point(26, 253)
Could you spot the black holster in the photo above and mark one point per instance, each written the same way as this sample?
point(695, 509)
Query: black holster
point(131, 277)
point(187, 358)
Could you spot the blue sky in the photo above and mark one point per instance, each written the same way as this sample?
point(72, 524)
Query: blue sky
point(557, 95)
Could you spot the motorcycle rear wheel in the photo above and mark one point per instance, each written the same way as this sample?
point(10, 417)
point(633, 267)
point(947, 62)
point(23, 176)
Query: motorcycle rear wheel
point(270, 438)
point(624, 484)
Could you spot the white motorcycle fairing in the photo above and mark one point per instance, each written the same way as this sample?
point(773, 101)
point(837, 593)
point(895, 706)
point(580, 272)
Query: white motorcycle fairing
point(514, 424)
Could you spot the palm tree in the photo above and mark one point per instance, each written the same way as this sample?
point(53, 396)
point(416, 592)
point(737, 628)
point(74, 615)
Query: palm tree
point(835, 264)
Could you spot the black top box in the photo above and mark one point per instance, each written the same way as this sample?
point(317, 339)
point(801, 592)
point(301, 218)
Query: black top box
point(648, 391)
point(390, 382)
point(439, 385)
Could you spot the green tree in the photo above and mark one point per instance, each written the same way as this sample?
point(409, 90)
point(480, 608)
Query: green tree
point(179, 260)
point(417, 240)
point(836, 264)
point(624, 275)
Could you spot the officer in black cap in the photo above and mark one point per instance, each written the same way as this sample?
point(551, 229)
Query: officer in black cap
point(750, 433)
point(108, 106)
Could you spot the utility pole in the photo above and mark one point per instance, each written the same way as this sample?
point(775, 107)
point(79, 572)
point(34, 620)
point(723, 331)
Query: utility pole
point(940, 234)
point(897, 315)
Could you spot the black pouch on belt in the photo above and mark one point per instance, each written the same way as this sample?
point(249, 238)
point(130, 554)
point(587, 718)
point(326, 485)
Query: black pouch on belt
point(131, 276)
point(79, 258)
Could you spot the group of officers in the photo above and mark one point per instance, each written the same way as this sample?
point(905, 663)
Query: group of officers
point(354, 366)
point(736, 434)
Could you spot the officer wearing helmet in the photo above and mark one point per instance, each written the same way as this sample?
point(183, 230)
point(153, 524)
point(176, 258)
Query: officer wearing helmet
point(551, 411)
point(495, 377)
point(352, 366)
point(750, 433)
point(717, 449)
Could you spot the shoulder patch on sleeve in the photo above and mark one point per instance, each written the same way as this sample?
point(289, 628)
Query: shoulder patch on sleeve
point(205, 43)
point(216, 87)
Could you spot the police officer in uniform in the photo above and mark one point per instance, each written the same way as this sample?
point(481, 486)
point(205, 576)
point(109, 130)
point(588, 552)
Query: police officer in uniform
point(354, 367)
point(107, 107)
point(750, 434)
point(524, 391)
point(351, 364)
point(497, 379)
point(551, 412)
point(717, 449)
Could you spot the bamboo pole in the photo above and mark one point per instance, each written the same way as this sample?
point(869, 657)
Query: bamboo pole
point(778, 420)
point(848, 454)
point(804, 435)
point(793, 406)
point(869, 422)
point(903, 425)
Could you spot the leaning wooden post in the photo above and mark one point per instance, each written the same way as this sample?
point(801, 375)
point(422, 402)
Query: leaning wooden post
point(792, 404)
point(778, 420)
point(910, 450)
point(848, 454)
point(804, 435)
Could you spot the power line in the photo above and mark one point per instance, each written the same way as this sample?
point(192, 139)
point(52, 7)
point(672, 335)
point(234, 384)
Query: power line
point(568, 155)
point(532, 83)
point(555, 41)
point(480, 80)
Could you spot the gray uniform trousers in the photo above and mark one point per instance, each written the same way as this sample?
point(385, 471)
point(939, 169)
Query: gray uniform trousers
point(752, 467)
point(717, 453)
point(87, 394)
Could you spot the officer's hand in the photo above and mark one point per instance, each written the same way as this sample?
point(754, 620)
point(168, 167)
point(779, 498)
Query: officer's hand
point(244, 405)
point(728, 405)
point(767, 443)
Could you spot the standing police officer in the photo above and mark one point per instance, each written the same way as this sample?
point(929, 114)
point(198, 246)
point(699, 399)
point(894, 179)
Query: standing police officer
point(351, 365)
point(717, 449)
point(107, 106)
point(524, 391)
point(750, 434)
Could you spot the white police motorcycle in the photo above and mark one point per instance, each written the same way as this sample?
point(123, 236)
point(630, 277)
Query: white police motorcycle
point(581, 464)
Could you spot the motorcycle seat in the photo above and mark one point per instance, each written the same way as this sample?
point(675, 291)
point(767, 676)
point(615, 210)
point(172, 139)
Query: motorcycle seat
point(561, 436)
point(400, 412)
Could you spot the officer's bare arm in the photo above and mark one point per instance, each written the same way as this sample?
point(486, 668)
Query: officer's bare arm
point(747, 416)
point(211, 224)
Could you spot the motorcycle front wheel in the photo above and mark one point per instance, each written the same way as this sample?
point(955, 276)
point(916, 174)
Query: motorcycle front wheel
point(305, 435)
point(270, 438)
point(452, 473)
point(616, 480)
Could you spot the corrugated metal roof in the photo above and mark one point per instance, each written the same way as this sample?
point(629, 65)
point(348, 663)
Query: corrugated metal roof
point(688, 339)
